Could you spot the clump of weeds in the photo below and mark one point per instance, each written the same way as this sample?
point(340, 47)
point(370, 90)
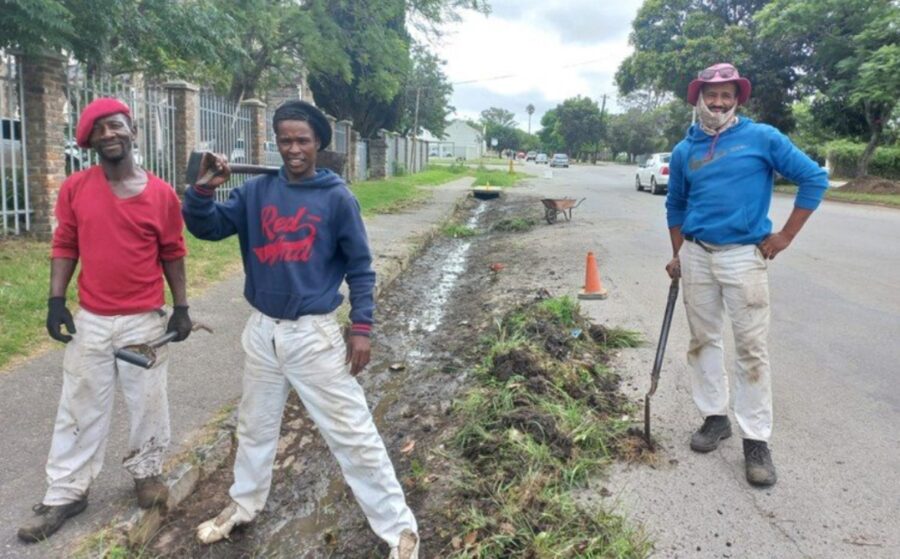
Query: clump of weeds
point(458, 231)
point(546, 414)
point(515, 224)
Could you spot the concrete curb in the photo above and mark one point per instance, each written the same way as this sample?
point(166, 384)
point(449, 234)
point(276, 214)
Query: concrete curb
point(185, 470)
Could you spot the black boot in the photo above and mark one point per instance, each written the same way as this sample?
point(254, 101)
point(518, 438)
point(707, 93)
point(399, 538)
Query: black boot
point(48, 519)
point(714, 429)
point(758, 460)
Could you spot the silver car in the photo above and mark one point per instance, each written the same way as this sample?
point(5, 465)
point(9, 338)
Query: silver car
point(560, 160)
point(654, 174)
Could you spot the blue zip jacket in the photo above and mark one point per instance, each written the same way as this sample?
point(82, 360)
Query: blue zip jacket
point(299, 241)
point(724, 197)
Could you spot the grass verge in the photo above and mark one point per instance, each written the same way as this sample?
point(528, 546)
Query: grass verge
point(392, 194)
point(546, 414)
point(890, 200)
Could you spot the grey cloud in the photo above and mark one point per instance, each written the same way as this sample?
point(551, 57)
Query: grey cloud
point(575, 21)
point(476, 99)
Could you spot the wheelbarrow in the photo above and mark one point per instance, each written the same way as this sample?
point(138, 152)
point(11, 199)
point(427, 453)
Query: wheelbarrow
point(555, 206)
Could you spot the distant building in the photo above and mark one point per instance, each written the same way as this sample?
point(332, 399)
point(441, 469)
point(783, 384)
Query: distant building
point(460, 139)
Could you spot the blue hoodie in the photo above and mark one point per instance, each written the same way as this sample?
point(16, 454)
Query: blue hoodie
point(299, 241)
point(724, 197)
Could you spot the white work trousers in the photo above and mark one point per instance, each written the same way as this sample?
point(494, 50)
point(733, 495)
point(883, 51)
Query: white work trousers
point(733, 280)
point(309, 354)
point(90, 374)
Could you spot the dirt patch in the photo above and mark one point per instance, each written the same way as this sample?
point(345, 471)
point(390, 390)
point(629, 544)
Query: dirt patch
point(872, 185)
point(515, 362)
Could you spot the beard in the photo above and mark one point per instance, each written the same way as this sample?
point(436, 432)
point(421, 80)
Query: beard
point(114, 158)
point(712, 122)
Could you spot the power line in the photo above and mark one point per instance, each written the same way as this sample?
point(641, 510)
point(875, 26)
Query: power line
point(507, 76)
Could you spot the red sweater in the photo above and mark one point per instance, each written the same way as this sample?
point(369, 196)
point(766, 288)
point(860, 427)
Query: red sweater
point(121, 242)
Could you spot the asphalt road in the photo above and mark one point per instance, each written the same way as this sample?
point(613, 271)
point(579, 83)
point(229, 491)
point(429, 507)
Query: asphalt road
point(835, 356)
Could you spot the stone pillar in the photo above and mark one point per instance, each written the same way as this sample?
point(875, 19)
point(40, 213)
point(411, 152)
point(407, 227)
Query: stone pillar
point(186, 99)
point(331, 122)
point(256, 143)
point(44, 82)
point(378, 158)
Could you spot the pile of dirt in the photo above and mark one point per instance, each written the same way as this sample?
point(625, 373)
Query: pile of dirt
point(872, 185)
point(548, 413)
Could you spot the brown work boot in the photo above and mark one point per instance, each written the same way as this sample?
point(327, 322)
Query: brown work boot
point(407, 548)
point(707, 437)
point(48, 519)
point(151, 491)
point(758, 461)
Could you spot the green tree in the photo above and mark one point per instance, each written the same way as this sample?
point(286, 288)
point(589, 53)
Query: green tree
point(429, 84)
point(500, 124)
point(579, 124)
point(851, 53)
point(674, 39)
point(157, 37)
point(549, 134)
point(635, 132)
point(373, 40)
point(530, 110)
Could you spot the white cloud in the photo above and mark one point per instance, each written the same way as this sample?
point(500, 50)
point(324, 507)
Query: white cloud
point(539, 53)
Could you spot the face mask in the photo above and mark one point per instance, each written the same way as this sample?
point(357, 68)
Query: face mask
point(714, 123)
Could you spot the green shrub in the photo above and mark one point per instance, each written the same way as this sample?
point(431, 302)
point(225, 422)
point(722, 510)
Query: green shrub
point(844, 155)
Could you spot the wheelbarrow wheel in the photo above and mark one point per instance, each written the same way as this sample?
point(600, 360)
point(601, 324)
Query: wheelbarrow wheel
point(550, 215)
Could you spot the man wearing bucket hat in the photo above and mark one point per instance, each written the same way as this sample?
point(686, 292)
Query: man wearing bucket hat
point(301, 235)
point(720, 190)
point(124, 225)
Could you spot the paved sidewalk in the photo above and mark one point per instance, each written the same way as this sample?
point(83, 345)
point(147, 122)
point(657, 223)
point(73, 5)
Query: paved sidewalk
point(204, 376)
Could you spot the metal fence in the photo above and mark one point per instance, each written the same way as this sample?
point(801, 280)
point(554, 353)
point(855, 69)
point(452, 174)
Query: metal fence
point(341, 137)
point(152, 113)
point(15, 212)
point(224, 128)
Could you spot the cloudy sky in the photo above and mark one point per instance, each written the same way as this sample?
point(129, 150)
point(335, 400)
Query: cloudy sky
point(540, 52)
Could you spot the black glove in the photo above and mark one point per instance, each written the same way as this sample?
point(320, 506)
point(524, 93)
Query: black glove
point(180, 322)
point(57, 315)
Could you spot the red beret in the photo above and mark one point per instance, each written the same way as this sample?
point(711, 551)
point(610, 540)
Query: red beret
point(98, 108)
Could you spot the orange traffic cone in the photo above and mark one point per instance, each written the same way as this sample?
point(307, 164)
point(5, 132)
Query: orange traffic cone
point(593, 289)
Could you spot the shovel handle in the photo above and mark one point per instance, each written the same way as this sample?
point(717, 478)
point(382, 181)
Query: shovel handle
point(664, 335)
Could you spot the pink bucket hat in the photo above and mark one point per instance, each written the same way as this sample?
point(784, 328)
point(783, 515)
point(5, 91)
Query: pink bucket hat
point(719, 73)
point(98, 108)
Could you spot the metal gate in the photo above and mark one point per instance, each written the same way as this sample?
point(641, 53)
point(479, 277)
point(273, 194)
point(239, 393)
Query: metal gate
point(15, 212)
point(152, 113)
point(225, 129)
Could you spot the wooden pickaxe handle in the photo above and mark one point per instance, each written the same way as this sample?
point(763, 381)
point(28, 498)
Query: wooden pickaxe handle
point(192, 173)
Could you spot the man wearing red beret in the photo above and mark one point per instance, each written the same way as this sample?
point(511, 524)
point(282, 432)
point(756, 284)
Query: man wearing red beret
point(125, 227)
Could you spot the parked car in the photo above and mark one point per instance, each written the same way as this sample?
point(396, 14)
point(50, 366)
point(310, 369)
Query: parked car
point(530, 156)
point(560, 160)
point(540, 158)
point(654, 173)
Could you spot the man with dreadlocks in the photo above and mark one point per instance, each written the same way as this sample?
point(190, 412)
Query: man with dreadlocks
point(301, 235)
point(720, 190)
